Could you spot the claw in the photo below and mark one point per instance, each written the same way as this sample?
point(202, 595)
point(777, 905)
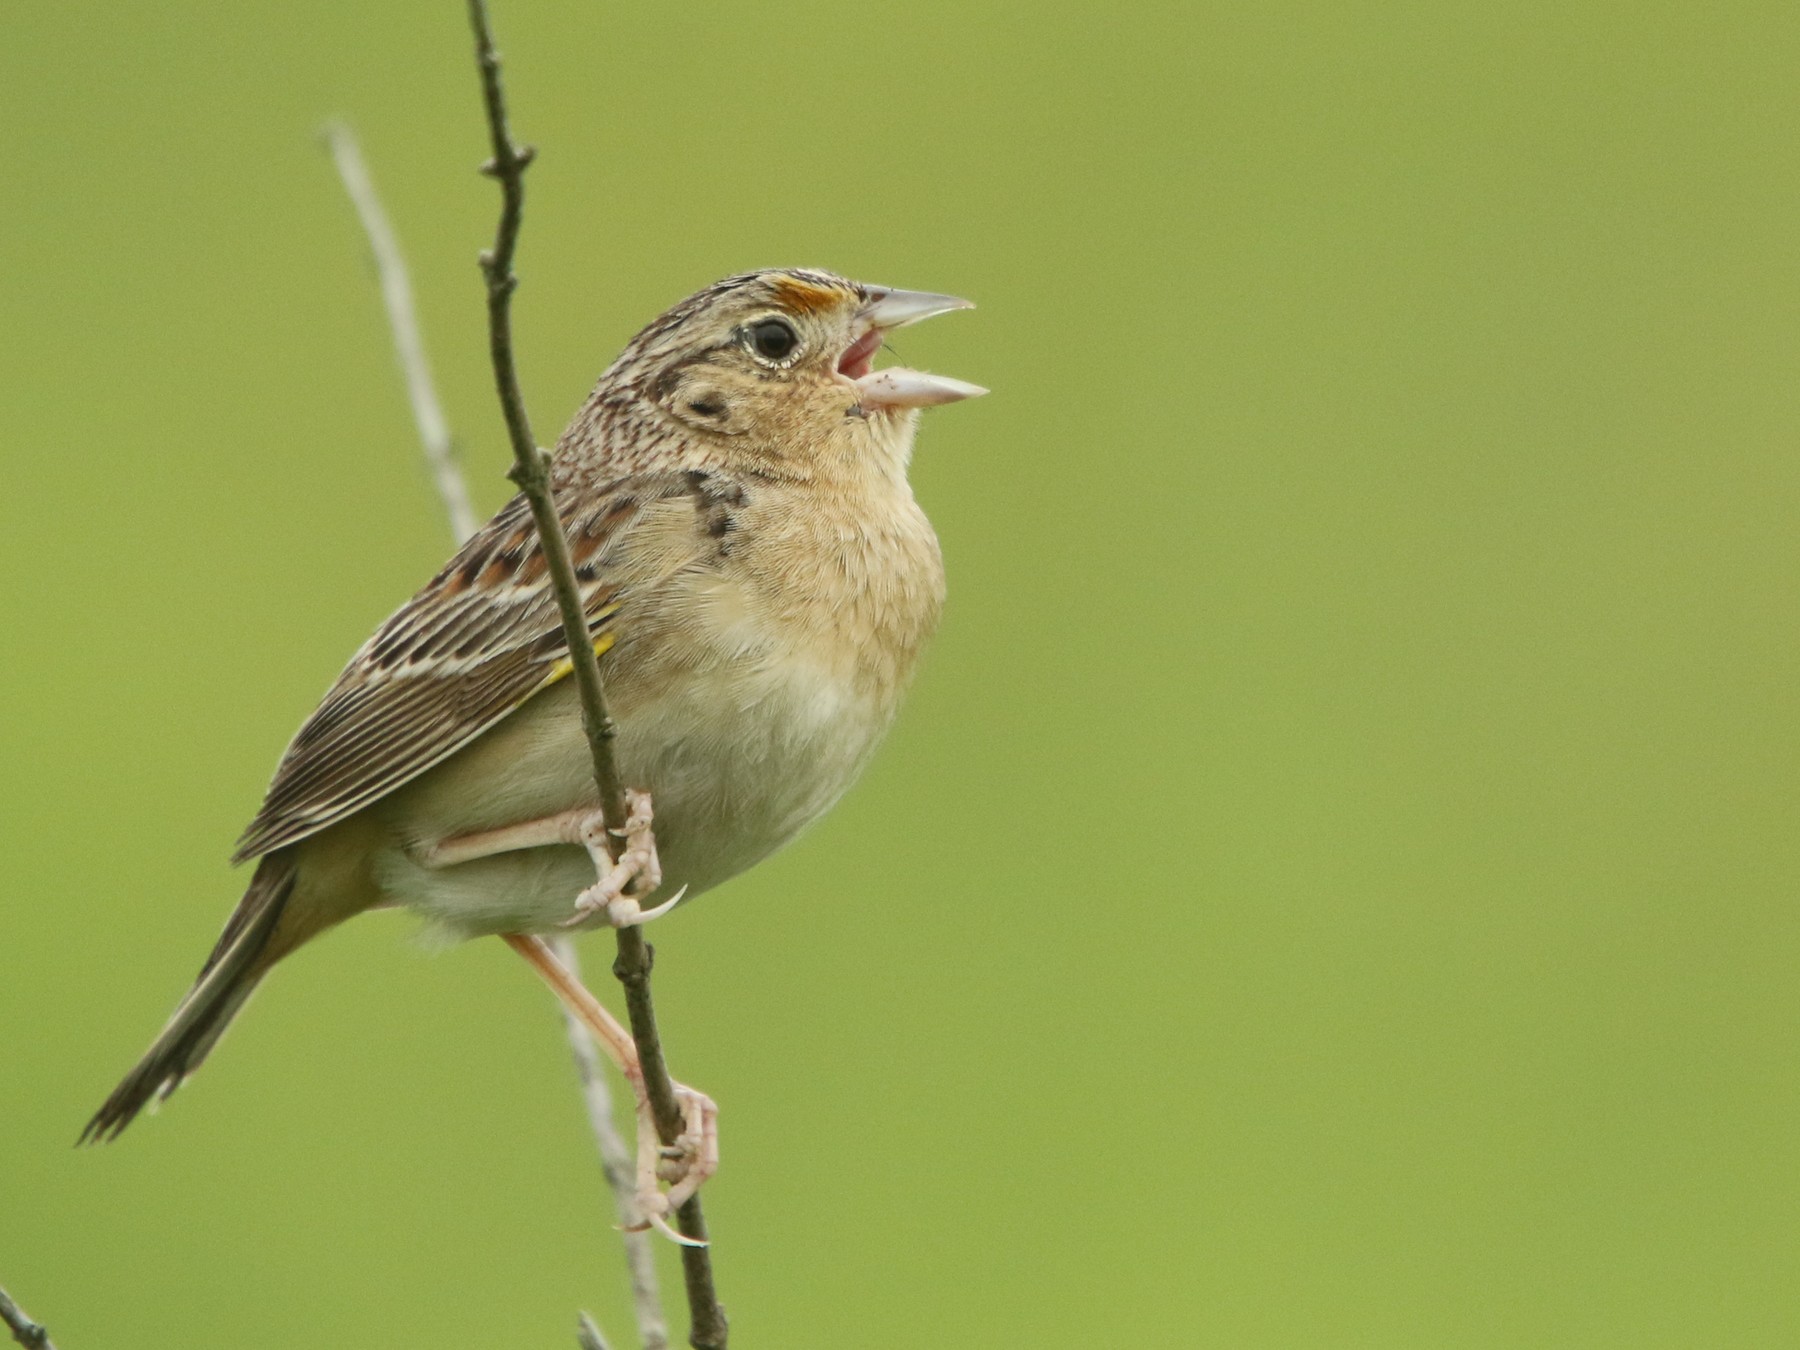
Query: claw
point(633, 917)
point(663, 1226)
point(620, 913)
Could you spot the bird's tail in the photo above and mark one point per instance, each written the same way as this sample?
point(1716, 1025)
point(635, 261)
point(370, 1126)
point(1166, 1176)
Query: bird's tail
point(225, 981)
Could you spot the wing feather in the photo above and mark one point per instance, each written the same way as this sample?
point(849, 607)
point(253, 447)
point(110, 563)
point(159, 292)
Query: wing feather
point(482, 636)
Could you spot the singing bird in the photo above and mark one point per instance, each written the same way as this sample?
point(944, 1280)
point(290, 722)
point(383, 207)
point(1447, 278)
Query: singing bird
point(760, 583)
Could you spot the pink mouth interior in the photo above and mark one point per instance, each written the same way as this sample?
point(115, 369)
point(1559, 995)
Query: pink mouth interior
point(857, 361)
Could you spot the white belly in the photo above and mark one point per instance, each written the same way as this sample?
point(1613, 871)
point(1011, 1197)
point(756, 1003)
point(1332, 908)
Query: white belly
point(738, 758)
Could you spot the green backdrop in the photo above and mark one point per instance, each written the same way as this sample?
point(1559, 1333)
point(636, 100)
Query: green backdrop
point(1333, 885)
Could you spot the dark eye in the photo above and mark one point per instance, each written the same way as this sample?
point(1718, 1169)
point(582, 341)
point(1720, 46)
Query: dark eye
point(773, 339)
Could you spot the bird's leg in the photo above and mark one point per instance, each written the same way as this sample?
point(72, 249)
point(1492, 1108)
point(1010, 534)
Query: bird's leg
point(565, 828)
point(614, 894)
point(694, 1156)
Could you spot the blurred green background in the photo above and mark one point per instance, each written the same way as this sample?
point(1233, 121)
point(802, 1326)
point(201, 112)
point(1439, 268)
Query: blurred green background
point(1334, 884)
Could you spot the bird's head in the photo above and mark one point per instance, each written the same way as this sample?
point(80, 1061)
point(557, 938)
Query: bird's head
point(780, 363)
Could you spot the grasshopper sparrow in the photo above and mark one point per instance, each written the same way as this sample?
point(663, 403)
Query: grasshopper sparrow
point(760, 584)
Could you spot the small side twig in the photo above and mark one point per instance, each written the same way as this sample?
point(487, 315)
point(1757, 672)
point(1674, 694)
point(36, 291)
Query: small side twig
point(531, 472)
point(30, 1334)
point(587, 1335)
point(434, 435)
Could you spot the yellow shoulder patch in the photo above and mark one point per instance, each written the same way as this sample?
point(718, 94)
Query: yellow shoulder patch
point(565, 666)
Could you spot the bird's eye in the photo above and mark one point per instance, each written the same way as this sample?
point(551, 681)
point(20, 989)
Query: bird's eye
point(773, 339)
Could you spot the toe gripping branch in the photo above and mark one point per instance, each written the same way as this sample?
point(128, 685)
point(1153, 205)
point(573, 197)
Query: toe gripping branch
point(638, 870)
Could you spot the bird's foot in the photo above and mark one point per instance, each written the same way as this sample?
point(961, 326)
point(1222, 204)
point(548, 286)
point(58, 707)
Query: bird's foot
point(683, 1166)
point(638, 870)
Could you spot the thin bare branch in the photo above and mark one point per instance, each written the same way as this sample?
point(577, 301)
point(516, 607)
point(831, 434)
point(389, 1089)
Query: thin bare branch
point(26, 1332)
point(403, 323)
point(531, 472)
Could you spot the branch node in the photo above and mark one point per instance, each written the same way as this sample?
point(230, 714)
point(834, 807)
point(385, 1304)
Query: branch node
point(633, 969)
point(531, 475)
point(32, 1335)
point(514, 160)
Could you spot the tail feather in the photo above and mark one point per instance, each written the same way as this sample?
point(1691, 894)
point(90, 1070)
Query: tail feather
point(225, 982)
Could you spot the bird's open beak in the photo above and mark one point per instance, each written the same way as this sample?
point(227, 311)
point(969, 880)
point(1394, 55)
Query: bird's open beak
point(886, 310)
